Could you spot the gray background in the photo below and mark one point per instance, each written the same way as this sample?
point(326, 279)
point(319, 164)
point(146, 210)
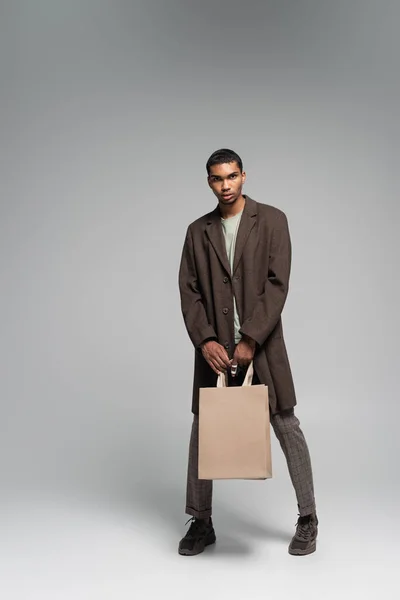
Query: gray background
point(109, 111)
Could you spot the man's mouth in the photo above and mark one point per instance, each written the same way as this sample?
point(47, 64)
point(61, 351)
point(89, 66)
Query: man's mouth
point(227, 196)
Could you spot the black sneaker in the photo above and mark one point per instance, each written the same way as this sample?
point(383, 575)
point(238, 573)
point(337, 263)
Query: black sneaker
point(304, 540)
point(199, 535)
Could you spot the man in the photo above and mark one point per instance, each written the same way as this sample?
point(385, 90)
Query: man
point(233, 282)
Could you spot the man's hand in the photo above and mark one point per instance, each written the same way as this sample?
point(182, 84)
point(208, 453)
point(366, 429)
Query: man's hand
point(244, 353)
point(216, 356)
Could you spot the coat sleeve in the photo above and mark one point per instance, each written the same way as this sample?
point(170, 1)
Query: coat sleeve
point(270, 304)
point(193, 310)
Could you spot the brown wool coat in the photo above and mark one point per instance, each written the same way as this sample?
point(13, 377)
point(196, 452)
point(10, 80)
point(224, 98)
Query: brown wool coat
point(260, 282)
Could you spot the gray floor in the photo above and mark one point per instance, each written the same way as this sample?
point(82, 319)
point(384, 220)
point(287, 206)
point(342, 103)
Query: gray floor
point(61, 547)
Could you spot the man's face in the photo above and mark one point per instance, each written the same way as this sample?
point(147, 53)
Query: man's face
point(226, 181)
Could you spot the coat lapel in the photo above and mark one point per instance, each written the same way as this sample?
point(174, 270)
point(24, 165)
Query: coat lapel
point(247, 223)
point(216, 236)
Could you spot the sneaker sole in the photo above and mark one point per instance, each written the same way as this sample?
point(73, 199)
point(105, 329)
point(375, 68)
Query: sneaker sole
point(209, 540)
point(297, 552)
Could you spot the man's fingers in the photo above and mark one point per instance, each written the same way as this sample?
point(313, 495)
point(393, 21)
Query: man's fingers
point(218, 363)
point(213, 361)
point(221, 363)
point(218, 359)
point(223, 356)
point(214, 367)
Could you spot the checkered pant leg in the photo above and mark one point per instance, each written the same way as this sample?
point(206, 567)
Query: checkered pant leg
point(287, 430)
point(198, 491)
point(291, 438)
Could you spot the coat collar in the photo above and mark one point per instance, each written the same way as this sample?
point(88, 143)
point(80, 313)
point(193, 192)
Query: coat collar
point(216, 236)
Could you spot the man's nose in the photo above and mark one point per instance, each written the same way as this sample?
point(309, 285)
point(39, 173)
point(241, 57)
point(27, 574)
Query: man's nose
point(225, 186)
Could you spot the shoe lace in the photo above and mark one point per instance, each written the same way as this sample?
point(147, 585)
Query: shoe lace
point(303, 526)
point(194, 527)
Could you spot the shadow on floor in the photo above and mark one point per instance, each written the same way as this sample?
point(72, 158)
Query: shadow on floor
point(165, 504)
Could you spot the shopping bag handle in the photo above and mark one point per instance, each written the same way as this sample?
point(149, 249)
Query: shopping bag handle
point(223, 377)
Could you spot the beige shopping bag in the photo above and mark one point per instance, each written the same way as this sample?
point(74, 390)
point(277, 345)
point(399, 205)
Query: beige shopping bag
point(234, 431)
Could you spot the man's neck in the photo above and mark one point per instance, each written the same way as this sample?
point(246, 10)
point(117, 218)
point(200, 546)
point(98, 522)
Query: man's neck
point(233, 209)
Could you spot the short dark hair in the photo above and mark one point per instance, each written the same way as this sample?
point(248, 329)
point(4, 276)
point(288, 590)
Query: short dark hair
point(221, 156)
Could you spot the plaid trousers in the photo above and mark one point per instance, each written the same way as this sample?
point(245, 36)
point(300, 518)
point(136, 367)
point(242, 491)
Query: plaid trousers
point(286, 427)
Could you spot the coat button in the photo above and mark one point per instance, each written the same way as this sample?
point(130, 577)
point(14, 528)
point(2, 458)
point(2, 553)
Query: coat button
point(226, 345)
point(226, 279)
point(225, 311)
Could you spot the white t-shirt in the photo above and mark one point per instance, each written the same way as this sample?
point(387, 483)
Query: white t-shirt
point(230, 228)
